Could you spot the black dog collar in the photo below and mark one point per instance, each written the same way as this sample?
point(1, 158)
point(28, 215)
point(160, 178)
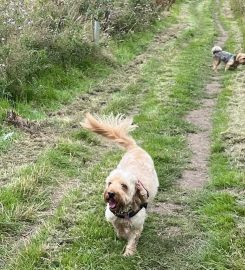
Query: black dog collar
point(129, 214)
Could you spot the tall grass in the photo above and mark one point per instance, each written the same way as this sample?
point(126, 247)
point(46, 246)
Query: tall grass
point(238, 7)
point(42, 37)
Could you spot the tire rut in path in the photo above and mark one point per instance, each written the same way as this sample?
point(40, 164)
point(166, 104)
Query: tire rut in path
point(195, 177)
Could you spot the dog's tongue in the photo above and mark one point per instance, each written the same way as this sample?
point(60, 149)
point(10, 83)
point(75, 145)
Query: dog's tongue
point(112, 203)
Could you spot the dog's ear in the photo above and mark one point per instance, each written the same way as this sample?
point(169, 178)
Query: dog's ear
point(141, 192)
point(136, 202)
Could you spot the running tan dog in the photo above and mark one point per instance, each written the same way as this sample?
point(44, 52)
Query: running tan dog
point(131, 185)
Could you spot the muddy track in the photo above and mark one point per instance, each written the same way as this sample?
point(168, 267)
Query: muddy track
point(196, 176)
point(59, 125)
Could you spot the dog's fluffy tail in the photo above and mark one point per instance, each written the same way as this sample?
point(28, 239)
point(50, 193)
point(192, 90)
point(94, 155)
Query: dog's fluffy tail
point(115, 128)
point(216, 49)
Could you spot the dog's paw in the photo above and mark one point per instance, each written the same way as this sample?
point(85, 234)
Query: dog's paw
point(128, 252)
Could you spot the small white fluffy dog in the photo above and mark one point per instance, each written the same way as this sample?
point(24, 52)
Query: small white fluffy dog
point(131, 185)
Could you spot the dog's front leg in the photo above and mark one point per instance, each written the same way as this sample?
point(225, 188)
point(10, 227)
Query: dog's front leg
point(132, 242)
point(216, 62)
point(228, 65)
point(121, 231)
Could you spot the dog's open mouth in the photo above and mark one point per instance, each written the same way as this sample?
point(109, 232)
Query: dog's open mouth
point(112, 203)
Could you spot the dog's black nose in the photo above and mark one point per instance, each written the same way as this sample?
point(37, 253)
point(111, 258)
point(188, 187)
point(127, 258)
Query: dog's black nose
point(111, 194)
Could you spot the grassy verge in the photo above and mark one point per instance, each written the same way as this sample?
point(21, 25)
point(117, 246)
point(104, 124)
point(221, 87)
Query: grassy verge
point(221, 206)
point(77, 236)
point(55, 88)
point(238, 7)
point(26, 200)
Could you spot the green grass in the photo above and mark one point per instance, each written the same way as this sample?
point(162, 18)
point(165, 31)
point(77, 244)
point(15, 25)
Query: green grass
point(205, 234)
point(126, 49)
point(56, 87)
point(30, 192)
point(238, 8)
point(77, 236)
point(220, 206)
point(221, 209)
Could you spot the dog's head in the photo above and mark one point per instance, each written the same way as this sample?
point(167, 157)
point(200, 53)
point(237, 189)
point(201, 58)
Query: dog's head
point(216, 49)
point(240, 58)
point(120, 190)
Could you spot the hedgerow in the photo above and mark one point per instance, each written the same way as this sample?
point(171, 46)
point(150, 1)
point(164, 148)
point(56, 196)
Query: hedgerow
point(37, 36)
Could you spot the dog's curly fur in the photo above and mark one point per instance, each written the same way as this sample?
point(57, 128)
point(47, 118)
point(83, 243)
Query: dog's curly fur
point(132, 183)
point(232, 61)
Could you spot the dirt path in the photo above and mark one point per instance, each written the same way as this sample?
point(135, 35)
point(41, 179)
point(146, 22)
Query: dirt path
point(196, 176)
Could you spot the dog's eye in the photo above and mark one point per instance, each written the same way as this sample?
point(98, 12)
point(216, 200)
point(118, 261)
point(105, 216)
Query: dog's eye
point(109, 183)
point(124, 186)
